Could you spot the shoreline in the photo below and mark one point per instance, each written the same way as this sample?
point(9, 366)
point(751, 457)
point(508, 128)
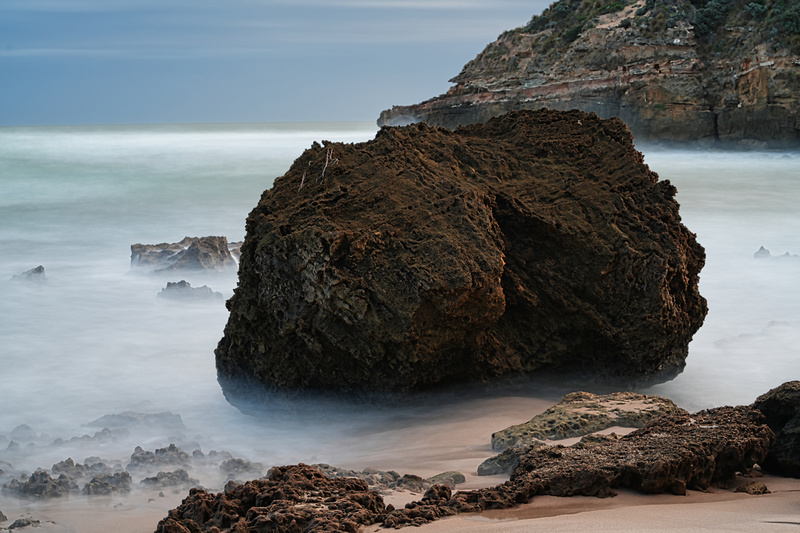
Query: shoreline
point(458, 439)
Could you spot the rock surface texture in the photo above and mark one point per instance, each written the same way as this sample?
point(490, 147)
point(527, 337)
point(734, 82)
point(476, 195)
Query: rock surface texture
point(781, 406)
point(670, 454)
point(673, 70)
point(291, 498)
point(539, 241)
point(581, 413)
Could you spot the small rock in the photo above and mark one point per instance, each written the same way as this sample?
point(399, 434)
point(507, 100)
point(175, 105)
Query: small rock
point(451, 479)
point(762, 253)
point(754, 487)
point(183, 291)
point(23, 522)
point(178, 478)
point(34, 274)
point(3, 518)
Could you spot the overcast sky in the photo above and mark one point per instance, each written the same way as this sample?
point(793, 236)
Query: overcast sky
point(189, 61)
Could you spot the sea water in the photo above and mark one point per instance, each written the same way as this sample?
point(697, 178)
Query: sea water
point(94, 339)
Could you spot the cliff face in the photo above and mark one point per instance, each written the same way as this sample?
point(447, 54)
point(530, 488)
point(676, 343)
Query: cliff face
point(672, 71)
point(536, 242)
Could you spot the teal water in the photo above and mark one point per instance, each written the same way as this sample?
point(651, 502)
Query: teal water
point(95, 340)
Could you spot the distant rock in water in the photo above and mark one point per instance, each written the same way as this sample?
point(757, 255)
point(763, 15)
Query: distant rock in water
point(192, 253)
point(183, 291)
point(34, 274)
point(676, 70)
point(537, 242)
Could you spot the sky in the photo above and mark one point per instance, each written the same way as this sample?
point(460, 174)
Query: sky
point(198, 61)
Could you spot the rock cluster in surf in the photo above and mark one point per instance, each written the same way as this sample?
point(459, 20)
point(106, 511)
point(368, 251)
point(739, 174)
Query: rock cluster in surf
point(539, 241)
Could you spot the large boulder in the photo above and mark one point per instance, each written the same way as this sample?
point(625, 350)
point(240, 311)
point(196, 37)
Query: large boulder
point(539, 241)
point(781, 407)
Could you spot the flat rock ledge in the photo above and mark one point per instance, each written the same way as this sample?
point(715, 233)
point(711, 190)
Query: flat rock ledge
point(537, 243)
point(580, 413)
point(670, 454)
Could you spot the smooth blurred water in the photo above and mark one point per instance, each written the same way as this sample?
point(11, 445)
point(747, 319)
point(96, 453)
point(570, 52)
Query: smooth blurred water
point(95, 340)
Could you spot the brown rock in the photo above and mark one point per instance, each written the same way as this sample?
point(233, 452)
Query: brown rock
point(781, 407)
point(537, 242)
point(581, 413)
point(291, 498)
point(755, 488)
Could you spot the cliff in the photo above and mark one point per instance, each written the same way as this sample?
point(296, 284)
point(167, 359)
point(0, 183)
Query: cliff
point(715, 71)
point(538, 242)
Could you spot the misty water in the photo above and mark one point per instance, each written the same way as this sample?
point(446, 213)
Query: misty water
point(94, 339)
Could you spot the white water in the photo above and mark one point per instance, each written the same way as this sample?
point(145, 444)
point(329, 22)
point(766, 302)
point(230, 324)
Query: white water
point(94, 340)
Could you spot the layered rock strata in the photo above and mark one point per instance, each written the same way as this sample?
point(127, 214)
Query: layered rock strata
point(537, 242)
point(676, 70)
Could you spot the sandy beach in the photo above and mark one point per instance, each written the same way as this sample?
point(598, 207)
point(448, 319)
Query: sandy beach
point(457, 438)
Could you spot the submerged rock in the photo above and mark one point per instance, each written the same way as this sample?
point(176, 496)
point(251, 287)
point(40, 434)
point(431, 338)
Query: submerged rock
point(131, 419)
point(192, 253)
point(40, 485)
point(161, 457)
point(104, 484)
point(34, 274)
point(178, 478)
point(183, 291)
point(537, 242)
point(781, 407)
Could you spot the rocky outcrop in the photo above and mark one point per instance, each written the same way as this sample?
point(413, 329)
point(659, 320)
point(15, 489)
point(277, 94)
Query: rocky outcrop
point(580, 413)
point(673, 70)
point(536, 242)
point(192, 253)
point(291, 498)
point(781, 407)
point(671, 454)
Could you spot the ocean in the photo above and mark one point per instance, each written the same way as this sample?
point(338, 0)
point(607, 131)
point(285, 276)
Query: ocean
point(94, 339)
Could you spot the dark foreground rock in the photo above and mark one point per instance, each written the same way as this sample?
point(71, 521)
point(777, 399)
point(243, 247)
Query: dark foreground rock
point(781, 407)
point(671, 454)
point(192, 253)
point(291, 498)
point(539, 241)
